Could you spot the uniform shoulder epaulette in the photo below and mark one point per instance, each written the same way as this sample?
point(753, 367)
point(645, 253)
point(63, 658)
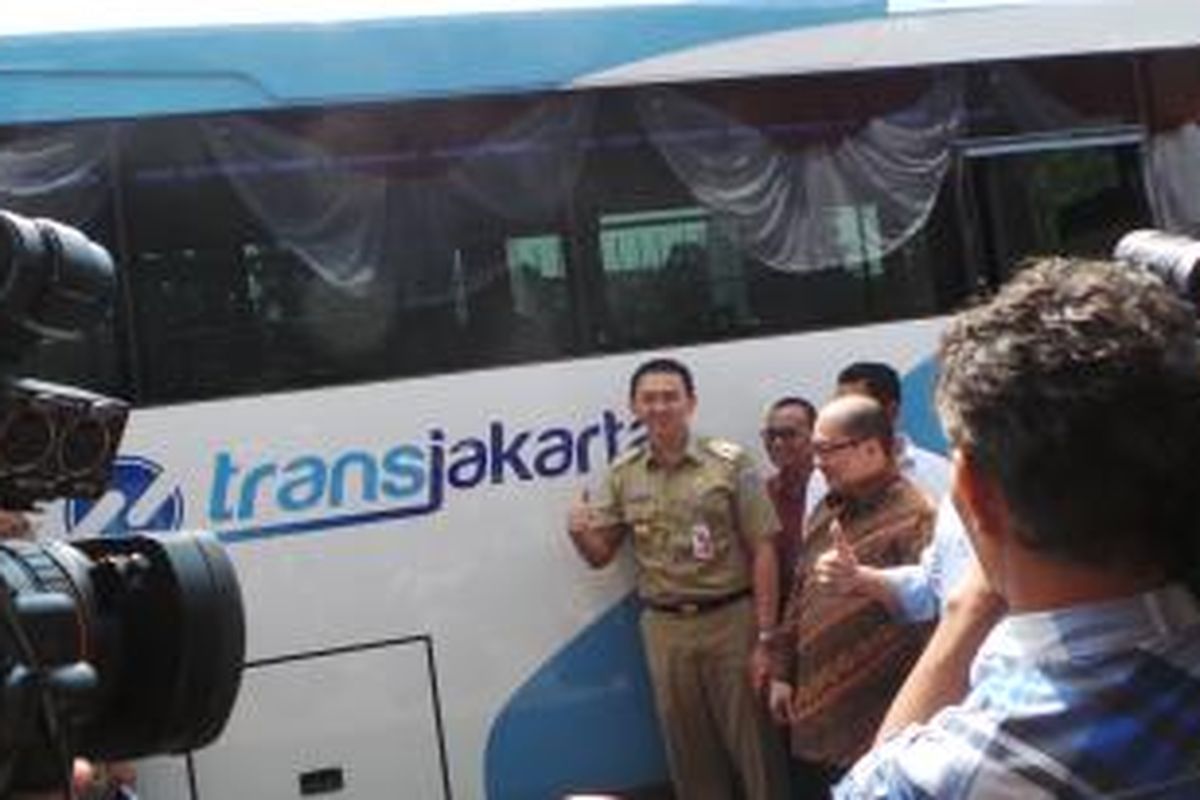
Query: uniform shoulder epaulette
point(723, 448)
point(628, 456)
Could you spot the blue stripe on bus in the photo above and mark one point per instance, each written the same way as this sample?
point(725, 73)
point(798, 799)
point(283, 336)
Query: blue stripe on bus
point(918, 416)
point(135, 73)
point(584, 722)
point(329, 523)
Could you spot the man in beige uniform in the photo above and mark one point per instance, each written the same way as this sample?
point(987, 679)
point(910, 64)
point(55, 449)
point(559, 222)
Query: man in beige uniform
point(702, 530)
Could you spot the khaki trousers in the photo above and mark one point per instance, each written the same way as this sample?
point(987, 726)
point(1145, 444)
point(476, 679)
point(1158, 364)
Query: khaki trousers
point(716, 731)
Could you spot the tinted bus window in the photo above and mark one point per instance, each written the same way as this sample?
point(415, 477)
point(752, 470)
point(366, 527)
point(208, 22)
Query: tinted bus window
point(676, 269)
point(273, 253)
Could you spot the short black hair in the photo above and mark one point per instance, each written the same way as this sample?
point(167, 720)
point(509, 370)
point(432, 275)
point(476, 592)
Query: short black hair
point(669, 366)
point(795, 400)
point(1078, 389)
point(882, 382)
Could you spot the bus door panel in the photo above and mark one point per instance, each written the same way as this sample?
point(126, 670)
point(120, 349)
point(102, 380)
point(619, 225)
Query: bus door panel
point(355, 724)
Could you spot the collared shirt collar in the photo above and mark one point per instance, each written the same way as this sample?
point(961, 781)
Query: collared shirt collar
point(847, 506)
point(691, 452)
point(1093, 629)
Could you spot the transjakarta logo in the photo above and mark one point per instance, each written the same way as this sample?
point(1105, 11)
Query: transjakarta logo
point(138, 499)
point(304, 492)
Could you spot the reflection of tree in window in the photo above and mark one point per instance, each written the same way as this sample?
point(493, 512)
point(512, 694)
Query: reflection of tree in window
point(499, 332)
point(1089, 198)
point(539, 281)
point(670, 277)
point(685, 289)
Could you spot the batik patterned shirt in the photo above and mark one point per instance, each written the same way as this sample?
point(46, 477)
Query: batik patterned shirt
point(844, 653)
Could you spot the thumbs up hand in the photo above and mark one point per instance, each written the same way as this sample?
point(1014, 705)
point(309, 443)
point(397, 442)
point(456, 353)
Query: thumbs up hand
point(837, 569)
point(595, 537)
point(779, 702)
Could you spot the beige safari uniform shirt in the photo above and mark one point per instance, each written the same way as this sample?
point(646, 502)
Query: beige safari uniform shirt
point(693, 525)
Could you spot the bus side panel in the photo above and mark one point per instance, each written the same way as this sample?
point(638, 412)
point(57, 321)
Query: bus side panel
point(434, 509)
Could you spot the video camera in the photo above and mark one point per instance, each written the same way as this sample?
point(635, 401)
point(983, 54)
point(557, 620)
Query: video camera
point(1175, 259)
point(110, 648)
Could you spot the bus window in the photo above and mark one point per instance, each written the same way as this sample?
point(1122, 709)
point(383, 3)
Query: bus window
point(668, 280)
point(526, 303)
point(677, 267)
point(1040, 196)
point(285, 251)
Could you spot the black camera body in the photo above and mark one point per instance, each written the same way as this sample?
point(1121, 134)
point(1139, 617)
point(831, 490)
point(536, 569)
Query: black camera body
point(55, 441)
point(111, 648)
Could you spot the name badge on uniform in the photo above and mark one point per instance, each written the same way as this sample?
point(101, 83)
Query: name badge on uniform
point(703, 548)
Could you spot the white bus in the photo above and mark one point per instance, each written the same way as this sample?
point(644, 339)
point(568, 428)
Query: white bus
point(382, 283)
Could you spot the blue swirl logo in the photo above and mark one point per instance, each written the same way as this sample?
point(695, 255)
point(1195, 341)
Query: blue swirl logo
point(138, 500)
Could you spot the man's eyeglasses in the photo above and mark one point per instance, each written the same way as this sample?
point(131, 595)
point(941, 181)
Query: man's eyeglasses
point(781, 434)
point(829, 448)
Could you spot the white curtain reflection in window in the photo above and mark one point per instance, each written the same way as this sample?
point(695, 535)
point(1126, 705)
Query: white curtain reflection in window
point(781, 204)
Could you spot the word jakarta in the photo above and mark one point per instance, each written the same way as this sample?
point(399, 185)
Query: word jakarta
point(408, 475)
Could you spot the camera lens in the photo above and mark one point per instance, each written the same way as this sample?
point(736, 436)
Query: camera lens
point(1174, 259)
point(26, 438)
point(160, 620)
point(85, 444)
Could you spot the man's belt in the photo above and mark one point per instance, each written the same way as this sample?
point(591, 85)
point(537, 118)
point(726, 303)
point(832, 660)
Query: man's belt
point(699, 605)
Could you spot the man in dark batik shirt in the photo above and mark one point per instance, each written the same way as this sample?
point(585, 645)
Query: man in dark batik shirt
point(840, 658)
